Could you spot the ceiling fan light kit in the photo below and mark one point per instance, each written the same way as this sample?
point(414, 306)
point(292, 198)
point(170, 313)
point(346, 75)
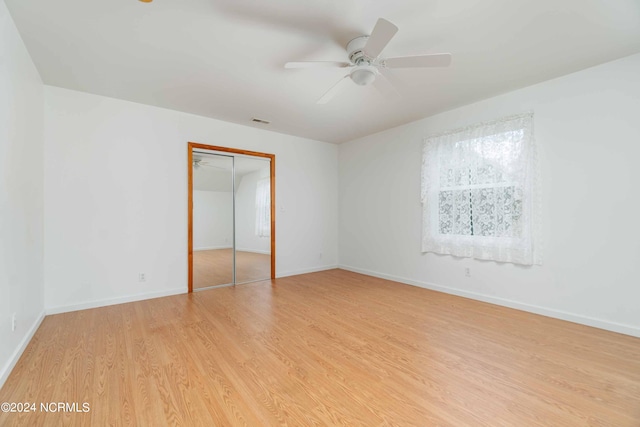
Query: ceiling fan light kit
point(363, 75)
point(363, 53)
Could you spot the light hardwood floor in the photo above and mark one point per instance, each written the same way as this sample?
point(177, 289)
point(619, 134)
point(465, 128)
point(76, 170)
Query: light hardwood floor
point(215, 267)
point(328, 348)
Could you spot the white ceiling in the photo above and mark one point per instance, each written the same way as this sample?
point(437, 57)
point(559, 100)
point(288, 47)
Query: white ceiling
point(224, 58)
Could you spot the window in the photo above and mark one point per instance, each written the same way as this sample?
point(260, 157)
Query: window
point(479, 192)
point(263, 208)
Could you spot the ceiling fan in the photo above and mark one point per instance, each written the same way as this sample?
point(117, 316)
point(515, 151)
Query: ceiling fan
point(366, 66)
point(199, 162)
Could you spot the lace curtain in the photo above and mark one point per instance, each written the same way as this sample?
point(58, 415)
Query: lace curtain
point(480, 192)
point(263, 208)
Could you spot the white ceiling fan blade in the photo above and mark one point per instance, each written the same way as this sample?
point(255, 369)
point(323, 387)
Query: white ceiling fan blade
point(209, 165)
point(199, 162)
point(339, 87)
point(381, 35)
point(317, 64)
point(434, 60)
point(198, 165)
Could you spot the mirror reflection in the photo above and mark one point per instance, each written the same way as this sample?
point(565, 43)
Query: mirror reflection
point(231, 220)
point(212, 220)
point(253, 220)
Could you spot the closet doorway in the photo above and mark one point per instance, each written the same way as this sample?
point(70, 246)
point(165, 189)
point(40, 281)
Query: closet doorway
point(231, 210)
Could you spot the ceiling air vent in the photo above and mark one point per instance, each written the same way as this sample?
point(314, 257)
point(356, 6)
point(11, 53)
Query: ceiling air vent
point(261, 121)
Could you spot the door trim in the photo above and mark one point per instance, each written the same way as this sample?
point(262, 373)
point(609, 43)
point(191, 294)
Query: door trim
point(272, 176)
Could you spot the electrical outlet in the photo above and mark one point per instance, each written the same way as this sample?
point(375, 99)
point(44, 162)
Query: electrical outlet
point(467, 272)
point(13, 322)
point(142, 277)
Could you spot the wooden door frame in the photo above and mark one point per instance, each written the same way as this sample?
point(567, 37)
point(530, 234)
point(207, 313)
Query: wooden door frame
point(272, 176)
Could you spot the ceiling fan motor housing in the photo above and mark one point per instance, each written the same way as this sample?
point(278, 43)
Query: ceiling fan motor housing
point(355, 50)
point(364, 72)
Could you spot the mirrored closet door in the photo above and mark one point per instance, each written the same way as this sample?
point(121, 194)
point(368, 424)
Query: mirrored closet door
point(253, 219)
point(231, 224)
point(212, 220)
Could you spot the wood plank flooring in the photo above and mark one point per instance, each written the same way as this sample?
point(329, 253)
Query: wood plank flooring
point(215, 267)
point(323, 349)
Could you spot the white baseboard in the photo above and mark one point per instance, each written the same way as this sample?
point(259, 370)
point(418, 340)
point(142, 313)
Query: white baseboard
point(557, 314)
point(114, 301)
point(255, 251)
point(305, 271)
point(11, 363)
point(210, 248)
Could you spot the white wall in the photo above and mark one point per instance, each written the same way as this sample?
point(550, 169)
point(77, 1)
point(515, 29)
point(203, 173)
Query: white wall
point(246, 239)
point(212, 219)
point(587, 127)
point(21, 195)
point(116, 197)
